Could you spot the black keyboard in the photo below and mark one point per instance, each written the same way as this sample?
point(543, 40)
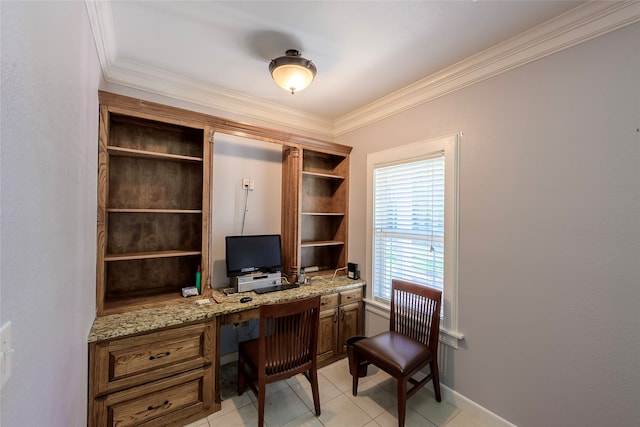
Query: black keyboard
point(276, 288)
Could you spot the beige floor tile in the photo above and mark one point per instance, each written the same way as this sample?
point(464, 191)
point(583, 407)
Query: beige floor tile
point(373, 399)
point(282, 407)
point(245, 416)
point(338, 374)
point(439, 413)
point(412, 419)
point(463, 419)
point(200, 423)
point(302, 387)
point(306, 420)
point(232, 404)
point(342, 412)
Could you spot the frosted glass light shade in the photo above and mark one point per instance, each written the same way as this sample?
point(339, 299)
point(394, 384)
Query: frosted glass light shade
point(292, 72)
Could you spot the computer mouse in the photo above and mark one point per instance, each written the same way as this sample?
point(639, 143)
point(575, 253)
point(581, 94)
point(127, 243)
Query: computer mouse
point(245, 299)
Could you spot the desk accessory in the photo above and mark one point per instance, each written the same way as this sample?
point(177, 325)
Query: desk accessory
point(198, 279)
point(353, 271)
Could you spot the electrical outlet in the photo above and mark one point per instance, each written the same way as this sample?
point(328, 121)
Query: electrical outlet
point(5, 353)
point(247, 184)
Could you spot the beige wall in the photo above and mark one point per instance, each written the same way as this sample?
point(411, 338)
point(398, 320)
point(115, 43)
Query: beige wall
point(549, 266)
point(49, 124)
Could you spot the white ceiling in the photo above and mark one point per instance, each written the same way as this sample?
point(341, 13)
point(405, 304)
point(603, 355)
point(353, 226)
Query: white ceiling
point(364, 50)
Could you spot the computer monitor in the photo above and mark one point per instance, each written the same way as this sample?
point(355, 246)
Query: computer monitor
point(249, 254)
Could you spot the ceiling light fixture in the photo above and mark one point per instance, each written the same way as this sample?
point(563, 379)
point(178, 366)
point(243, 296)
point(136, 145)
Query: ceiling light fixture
point(292, 72)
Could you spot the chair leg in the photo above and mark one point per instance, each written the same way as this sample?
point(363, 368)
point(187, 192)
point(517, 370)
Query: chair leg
point(354, 386)
point(313, 379)
point(402, 400)
point(261, 392)
point(435, 375)
point(354, 374)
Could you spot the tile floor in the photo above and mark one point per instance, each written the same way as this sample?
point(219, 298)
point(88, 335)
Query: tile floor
point(289, 403)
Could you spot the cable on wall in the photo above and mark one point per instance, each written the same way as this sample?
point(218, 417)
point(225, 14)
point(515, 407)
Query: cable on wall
point(244, 211)
point(210, 260)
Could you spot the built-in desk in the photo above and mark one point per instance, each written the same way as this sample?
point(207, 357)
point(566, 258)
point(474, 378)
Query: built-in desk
point(162, 363)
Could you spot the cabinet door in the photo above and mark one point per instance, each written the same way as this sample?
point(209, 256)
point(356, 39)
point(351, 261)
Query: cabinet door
point(350, 323)
point(328, 334)
point(328, 327)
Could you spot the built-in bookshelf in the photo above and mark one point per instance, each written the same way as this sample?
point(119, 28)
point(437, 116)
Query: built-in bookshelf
point(153, 203)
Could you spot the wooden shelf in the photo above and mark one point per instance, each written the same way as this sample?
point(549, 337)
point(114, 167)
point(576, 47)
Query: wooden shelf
point(161, 211)
point(137, 303)
point(323, 175)
point(149, 255)
point(322, 243)
point(142, 154)
point(323, 213)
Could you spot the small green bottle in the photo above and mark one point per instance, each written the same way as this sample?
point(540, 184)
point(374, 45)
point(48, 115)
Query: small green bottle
point(198, 279)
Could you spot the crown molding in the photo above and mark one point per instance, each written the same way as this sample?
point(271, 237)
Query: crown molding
point(578, 25)
point(161, 82)
point(101, 22)
point(154, 80)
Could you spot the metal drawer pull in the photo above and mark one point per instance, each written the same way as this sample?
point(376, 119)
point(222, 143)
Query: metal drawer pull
point(151, 408)
point(159, 355)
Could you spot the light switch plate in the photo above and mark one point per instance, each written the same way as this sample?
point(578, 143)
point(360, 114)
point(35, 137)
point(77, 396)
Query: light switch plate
point(5, 353)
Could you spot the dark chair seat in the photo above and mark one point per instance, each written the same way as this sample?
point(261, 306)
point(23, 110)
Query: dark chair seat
point(394, 352)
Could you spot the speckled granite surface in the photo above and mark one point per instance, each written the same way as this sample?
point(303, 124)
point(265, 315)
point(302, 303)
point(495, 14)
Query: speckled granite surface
point(149, 319)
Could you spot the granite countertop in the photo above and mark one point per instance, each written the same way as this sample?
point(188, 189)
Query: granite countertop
point(149, 319)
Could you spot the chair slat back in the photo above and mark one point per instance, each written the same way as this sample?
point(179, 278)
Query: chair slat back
point(415, 312)
point(288, 334)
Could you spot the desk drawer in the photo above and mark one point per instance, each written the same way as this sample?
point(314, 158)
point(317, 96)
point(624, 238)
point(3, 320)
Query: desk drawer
point(163, 402)
point(131, 361)
point(347, 297)
point(329, 301)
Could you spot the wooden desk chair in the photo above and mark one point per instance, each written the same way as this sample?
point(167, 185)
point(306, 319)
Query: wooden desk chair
point(410, 344)
point(287, 346)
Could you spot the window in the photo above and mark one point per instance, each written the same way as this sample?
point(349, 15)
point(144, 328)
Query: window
point(408, 224)
point(412, 222)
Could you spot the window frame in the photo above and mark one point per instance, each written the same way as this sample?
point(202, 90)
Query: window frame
point(449, 146)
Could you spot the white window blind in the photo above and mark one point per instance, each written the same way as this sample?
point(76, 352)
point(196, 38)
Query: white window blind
point(412, 223)
point(409, 223)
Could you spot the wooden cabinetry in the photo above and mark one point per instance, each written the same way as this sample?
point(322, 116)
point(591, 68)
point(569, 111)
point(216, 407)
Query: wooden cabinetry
point(153, 230)
point(159, 378)
point(340, 318)
point(315, 209)
point(328, 328)
point(351, 317)
point(153, 204)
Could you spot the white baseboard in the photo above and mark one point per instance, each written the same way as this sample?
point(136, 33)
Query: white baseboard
point(476, 411)
point(228, 358)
